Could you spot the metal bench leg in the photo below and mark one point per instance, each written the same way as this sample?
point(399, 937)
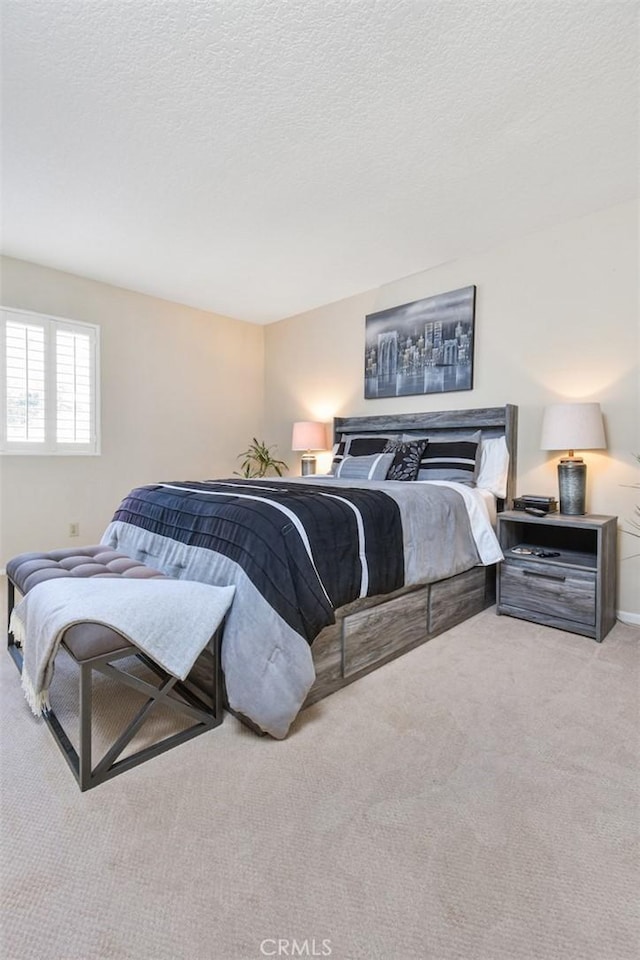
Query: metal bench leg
point(171, 692)
point(86, 680)
point(14, 651)
point(11, 602)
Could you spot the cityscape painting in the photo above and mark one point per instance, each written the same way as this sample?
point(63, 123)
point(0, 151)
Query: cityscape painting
point(421, 347)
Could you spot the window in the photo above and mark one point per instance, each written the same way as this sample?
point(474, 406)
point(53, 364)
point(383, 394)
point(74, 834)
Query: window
point(49, 385)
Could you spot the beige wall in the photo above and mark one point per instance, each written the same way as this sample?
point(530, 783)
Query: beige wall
point(182, 394)
point(556, 319)
point(184, 390)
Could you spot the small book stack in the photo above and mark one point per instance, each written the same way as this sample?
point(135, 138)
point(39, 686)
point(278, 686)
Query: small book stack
point(526, 501)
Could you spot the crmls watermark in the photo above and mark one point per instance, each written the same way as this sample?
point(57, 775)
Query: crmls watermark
point(295, 948)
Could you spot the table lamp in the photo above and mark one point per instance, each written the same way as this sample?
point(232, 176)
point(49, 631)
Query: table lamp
point(308, 435)
point(572, 426)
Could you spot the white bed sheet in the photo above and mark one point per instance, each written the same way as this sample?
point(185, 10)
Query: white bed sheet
point(491, 503)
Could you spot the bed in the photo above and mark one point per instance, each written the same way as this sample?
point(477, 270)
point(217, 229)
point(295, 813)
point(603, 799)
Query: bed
point(335, 575)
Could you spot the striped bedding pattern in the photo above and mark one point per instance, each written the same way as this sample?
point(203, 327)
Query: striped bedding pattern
point(306, 551)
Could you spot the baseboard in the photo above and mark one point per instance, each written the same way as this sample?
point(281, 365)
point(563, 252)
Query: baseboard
point(632, 618)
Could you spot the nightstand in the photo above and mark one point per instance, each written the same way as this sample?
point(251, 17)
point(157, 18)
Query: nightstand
point(575, 590)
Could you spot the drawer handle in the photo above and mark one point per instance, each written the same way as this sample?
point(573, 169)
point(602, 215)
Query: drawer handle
point(545, 576)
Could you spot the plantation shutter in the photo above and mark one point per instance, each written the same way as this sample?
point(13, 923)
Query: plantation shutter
point(25, 382)
point(49, 385)
point(73, 387)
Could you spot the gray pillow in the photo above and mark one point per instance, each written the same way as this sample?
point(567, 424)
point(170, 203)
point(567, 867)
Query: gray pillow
point(358, 445)
point(373, 467)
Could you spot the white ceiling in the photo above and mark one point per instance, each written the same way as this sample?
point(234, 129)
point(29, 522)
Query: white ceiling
point(261, 157)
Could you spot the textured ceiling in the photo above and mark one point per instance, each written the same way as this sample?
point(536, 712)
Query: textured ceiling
point(261, 157)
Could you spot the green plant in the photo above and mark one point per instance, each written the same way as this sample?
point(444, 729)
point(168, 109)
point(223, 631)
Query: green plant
point(635, 523)
point(258, 460)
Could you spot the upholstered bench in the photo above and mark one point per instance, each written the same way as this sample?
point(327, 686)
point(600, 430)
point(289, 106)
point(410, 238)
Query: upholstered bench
point(95, 647)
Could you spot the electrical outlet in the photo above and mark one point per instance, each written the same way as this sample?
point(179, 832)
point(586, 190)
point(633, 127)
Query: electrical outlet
point(74, 529)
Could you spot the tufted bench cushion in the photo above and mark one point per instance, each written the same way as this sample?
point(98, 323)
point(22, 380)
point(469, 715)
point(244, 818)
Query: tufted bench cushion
point(96, 647)
point(84, 640)
point(28, 569)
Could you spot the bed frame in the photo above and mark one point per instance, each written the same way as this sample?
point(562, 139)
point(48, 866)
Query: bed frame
point(369, 633)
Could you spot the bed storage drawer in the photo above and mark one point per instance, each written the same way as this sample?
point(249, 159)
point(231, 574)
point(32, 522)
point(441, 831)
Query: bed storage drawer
point(371, 635)
point(327, 651)
point(549, 590)
point(456, 599)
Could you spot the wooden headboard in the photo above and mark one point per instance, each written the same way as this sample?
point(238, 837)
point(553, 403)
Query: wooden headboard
point(491, 421)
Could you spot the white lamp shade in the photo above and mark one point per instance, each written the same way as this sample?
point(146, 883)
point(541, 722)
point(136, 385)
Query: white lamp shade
point(572, 426)
point(309, 435)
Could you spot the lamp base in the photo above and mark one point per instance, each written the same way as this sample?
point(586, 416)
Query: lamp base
point(308, 464)
point(572, 483)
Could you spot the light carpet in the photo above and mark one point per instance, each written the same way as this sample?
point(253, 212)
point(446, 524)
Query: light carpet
point(474, 800)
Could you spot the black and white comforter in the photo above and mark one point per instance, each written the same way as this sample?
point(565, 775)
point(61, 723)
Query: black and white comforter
point(295, 551)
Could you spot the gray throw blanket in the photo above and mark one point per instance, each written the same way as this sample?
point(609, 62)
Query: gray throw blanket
point(170, 620)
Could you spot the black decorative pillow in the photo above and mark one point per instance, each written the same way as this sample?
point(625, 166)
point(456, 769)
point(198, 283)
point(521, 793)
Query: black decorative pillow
point(454, 460)
point(406, 460)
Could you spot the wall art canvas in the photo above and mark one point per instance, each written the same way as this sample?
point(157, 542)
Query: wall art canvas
point(421, 347)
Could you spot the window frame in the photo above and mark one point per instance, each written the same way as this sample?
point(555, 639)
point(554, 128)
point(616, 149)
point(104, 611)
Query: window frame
point(50, 447)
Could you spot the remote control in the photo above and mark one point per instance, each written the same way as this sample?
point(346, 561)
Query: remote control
point(535, 511)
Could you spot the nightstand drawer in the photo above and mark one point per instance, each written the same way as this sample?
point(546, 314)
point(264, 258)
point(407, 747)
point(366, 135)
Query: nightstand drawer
point(549, 589)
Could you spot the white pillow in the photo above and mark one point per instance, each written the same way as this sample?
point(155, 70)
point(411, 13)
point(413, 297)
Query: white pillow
point(494, 466)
